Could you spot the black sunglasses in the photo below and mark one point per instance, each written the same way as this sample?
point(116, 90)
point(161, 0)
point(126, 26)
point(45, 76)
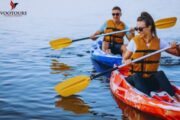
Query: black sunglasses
point(117, 14)
point(139, 28)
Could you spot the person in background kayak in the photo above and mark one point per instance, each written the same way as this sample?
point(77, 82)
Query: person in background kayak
point(143, 74)
point(114, 43)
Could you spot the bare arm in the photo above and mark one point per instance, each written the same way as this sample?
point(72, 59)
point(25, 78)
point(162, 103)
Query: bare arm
point(174, 50)
point(100, 31)
point(96, 33)
point(129, 52)
point(131, 35)
point(127, 56)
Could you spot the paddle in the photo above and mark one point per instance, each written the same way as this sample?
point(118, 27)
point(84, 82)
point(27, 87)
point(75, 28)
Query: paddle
point(165, 23)
point(65, 42)
point(78, 83)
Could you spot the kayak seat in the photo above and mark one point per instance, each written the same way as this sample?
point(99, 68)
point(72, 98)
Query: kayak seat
point(157, 81)
point(162, 96)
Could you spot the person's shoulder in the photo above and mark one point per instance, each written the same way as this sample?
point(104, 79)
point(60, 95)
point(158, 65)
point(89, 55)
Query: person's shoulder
point(131, 46)
point(110, 20)
point(123, 22)
point(137, 37)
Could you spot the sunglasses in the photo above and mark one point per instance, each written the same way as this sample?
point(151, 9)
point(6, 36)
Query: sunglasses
point(115, 14)
point(139, 28)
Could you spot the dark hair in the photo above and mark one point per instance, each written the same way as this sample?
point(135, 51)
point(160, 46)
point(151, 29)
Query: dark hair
point(116, 8)
point(147, 18)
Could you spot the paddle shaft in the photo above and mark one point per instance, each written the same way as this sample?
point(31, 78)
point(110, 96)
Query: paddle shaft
point(136, 60)
point(101, 35)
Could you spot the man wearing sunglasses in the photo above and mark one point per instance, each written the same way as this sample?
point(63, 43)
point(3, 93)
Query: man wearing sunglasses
point(114, 43)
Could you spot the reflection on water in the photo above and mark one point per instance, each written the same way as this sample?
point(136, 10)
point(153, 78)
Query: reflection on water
point(73, 104)
point(129, 113)
point(78, 106)
point(28, 74)
point(58, 67)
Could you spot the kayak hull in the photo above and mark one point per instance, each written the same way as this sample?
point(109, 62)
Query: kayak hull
point(124, 92)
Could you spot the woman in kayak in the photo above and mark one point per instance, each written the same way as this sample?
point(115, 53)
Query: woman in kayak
point(114, 43)
point(143, 74)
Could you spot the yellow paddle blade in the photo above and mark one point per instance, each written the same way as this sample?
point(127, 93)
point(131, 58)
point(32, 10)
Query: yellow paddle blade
point(72, 85)
point(166, 23)
point(60, 43)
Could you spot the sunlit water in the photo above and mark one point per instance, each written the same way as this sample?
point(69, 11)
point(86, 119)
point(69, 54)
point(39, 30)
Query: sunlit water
point(29, 68)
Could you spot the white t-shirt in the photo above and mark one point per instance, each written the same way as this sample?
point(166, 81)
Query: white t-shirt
point(132, 46)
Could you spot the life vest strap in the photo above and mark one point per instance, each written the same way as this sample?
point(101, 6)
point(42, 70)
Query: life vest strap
point(147, 62)
point(145, 51)
point(143, 72)
point(114, 29)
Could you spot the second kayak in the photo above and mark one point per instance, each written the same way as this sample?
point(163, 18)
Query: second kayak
point(107, 59)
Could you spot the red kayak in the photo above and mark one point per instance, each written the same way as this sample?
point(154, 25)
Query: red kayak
point(130, 113)
point(159, 105)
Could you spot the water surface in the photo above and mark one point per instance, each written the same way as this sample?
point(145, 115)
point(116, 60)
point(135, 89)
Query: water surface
point(29, 68)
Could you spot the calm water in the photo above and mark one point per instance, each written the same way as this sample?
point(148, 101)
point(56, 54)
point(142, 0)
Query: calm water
point(29, 68)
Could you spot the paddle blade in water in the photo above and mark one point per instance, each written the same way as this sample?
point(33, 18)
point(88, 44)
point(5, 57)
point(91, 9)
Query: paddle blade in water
point(60, 43)
point(166, 23)
point(72, 85)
